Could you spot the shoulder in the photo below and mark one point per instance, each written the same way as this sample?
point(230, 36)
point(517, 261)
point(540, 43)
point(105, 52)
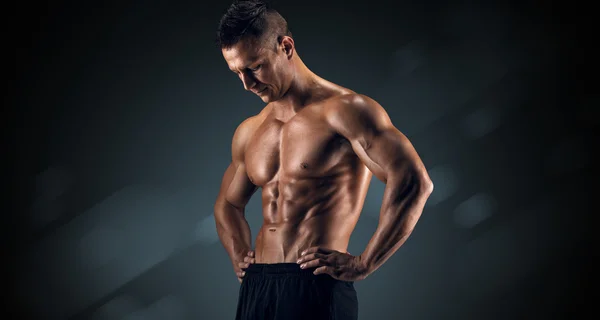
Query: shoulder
point(355, 110)
point(244, 132)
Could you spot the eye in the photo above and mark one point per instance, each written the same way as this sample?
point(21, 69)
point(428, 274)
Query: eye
point(255, 68)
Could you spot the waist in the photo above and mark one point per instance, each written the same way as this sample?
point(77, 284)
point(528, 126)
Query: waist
point(284, 268)
point(284, 242)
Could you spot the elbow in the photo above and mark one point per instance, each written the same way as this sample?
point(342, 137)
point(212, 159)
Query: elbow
point(413, 187)
point(218, 211)
point(412, 178)
point(220, 208)
point(224, 207)
point(424, 186)
point(417, 183)
point(220, 215)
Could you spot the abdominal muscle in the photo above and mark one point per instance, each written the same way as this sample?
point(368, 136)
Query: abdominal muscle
point(324, 217)
point(283, 242)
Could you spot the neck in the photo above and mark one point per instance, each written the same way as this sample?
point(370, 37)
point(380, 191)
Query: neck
point(301, 89)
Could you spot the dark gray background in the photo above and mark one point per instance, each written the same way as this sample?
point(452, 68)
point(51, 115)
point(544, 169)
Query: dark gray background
point(125, 113)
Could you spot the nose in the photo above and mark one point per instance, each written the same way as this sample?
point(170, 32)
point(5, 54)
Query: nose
point(248, 81)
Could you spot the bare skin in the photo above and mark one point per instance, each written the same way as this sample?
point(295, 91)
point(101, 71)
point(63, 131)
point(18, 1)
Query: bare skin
point(312, 152)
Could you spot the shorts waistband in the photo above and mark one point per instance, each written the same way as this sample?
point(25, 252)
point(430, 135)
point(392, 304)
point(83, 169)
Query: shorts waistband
point(278, 268)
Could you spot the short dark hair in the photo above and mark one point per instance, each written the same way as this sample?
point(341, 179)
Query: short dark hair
point(250, 18)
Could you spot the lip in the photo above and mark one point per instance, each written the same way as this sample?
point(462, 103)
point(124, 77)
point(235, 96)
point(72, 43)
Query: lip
point(261, 91)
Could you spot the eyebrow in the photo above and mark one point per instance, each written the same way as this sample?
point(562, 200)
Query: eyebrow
point(247, 66)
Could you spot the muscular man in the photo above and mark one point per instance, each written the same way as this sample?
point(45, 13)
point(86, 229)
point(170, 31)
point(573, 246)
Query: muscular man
point(312, 152)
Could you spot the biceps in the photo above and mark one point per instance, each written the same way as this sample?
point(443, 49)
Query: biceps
point(387, 153)
point(236, 187)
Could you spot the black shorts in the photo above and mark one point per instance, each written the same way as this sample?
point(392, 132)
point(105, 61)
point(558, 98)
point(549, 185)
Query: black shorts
point(283, 291)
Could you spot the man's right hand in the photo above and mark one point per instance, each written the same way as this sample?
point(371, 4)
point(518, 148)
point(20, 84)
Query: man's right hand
point(248, 259)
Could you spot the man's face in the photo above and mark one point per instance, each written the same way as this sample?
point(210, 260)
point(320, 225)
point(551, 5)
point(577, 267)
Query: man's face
point(262, 70)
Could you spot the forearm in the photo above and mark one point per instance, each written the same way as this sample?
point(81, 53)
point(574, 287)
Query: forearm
point(233, 230)
point(403, 203)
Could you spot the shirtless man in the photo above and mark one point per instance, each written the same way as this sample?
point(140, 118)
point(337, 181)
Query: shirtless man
point(312, 151)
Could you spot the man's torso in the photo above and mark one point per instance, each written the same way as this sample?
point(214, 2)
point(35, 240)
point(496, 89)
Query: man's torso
point(313, 185)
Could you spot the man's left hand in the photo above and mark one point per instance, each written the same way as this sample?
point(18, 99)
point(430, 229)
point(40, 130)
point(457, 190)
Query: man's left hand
point(340, 265)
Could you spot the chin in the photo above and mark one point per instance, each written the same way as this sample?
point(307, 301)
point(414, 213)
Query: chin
point(266, 98)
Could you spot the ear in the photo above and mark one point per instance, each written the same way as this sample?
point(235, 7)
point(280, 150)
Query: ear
point(287, 46)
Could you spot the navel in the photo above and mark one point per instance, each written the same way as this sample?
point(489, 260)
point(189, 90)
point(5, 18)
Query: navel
point(304, 165)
